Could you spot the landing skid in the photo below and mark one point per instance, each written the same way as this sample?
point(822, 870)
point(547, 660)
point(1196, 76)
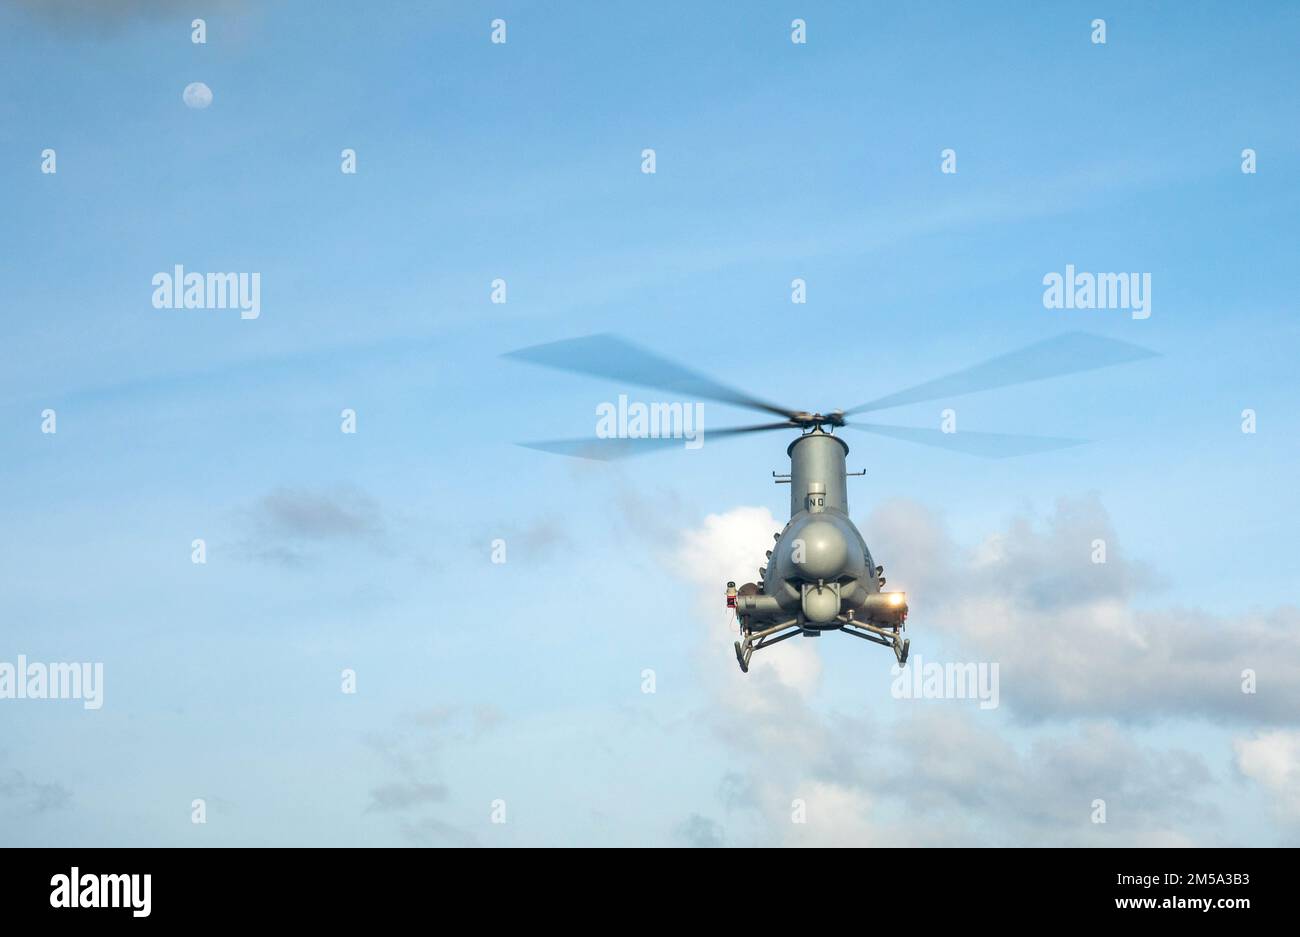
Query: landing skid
point(756, 640)
point(889, 638)
point(752, 641)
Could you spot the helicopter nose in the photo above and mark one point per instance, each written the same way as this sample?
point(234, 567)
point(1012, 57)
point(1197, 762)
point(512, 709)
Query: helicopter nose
point(820, 551)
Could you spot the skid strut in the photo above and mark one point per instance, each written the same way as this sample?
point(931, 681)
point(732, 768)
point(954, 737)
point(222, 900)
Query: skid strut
point(755, 640)
point(752, 641)
point(889, 637)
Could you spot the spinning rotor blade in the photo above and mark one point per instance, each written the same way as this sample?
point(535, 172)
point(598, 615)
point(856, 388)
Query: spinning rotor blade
point(1064, 354)
point(609, 448)
point(985, 445)
point(615, 358)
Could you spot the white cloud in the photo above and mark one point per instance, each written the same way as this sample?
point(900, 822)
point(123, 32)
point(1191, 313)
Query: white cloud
point(941, 775)
point(1272, 759)
point(731, 547)
point(833, 815)
point(1070, 635)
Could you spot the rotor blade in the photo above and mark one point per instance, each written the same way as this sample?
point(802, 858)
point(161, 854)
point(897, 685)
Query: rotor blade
point(605, 449)
point(985, 445)
point(615, 358)
point(1064, 354)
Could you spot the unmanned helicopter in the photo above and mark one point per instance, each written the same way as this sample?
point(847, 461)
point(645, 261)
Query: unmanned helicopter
point(820, 576)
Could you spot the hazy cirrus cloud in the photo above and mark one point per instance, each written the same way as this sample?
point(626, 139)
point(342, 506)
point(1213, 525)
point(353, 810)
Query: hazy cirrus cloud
point(289, 525)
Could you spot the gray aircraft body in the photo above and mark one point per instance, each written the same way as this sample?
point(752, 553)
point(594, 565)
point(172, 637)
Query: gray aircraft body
point(819, 575)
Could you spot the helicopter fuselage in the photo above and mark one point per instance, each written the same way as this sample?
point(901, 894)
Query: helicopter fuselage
point(820, 575)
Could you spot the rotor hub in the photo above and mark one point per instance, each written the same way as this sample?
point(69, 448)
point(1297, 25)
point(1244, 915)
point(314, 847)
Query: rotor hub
point(810, 421)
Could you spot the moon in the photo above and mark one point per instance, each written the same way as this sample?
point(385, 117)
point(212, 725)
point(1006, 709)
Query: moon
point(197, 95)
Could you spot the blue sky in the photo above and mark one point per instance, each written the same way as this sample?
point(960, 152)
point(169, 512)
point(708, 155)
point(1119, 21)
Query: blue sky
point(522, 681)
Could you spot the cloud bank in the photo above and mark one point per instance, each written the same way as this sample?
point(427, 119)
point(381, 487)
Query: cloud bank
point(1084, 672)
